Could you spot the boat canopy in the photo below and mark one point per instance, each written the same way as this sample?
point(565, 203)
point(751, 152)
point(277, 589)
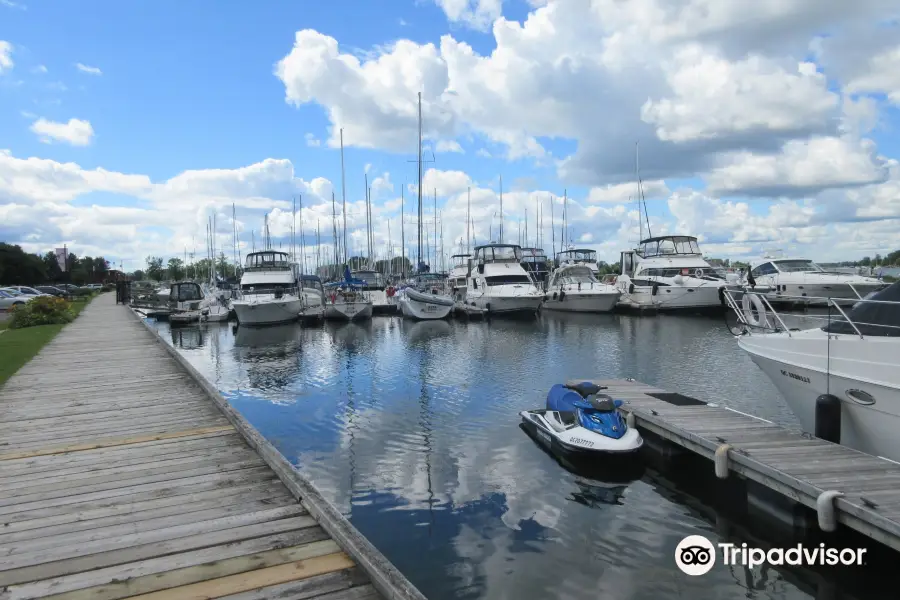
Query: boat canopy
point(577, 255)
point(878, 318)
point(498, 253)
point(185, 291)
point(267, 260)
point(574, 274)
point(669, 244)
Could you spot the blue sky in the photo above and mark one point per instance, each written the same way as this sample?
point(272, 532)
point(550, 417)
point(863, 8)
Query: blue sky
point(175, 87)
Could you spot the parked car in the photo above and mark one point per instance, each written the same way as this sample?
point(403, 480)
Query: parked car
point(69, 287)
point(52, 290)
point(10, 297)
point(28, 291)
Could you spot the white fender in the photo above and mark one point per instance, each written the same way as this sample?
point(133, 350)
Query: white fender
point(762, 319)
point(825, 510)
point(629, 420)
point(721, 460)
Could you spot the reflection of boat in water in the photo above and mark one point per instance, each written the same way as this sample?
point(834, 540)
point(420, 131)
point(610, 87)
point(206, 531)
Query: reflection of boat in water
point(594, 494)
point(188, 337)
point(261, 337)
point(349, 334)
point(421, 331)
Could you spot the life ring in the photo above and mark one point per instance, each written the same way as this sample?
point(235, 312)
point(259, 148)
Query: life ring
point(698, 273)
point(751, 302)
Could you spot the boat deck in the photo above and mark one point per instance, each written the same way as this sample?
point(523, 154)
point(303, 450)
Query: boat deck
point(797, 466)
point(122, 476)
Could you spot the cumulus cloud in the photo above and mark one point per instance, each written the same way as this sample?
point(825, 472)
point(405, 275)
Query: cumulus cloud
point(76, 132)
point(88, 69)
point(6, 61)
point(476, 14)
point(448, 146)
point(624, 192)
point(312, 141)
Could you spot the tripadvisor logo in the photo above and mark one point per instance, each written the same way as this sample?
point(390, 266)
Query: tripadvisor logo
point(696, 555)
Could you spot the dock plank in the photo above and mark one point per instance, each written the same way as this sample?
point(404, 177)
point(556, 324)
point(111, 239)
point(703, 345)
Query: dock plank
point(123, 474)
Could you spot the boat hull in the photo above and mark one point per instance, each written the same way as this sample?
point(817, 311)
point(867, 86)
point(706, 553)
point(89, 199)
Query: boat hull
point(803, 367)
point(270, 312)
point(579, 442)
point(581, 302)
point(425, 307)
point(670, 298)
point(507, 305)
point(348, 311)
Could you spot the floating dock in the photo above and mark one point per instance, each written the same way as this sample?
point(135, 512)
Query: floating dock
point(838, 484)
point(124, 473)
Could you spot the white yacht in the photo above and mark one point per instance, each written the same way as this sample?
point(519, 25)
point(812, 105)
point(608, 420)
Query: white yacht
point(459, 271)
point(852, 358)
point(269, 292)
point(312, 297)
point(428, 298)
point(537, 263)
point(579, 256)
point(499, 284)
point(798, 278)
point(185, 300)
point(346, 300)
point(574, 288)
point(669, 273)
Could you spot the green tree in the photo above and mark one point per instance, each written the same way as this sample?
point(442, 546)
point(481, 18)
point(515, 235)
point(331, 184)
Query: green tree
point(138, 275)
point(18, 267)
point(175, 268)
point(866, 261)
point(101, 268)
point(155, 268)
point(51, 267)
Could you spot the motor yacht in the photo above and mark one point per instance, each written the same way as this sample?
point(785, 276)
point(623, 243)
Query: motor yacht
point(537, 263)
point(499, 285)
point(669, 273)
point(579, 256)
point(852, 356)
point(802, 280)
point(574, 288)
point(269, 293)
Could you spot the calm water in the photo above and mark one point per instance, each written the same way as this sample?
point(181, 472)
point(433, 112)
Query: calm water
point(411, 429)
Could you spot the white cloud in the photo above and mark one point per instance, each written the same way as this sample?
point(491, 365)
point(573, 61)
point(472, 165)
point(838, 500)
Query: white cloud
point(881, 74)
point(625, 192)
point(448, 146)
point(476, 14)
point(312, 141)
point(89, 70)
point(40, 69)
point(6, 61)
point(483, 153)
point(76, 132)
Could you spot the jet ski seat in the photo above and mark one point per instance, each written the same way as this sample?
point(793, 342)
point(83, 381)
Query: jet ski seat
point(585, 388)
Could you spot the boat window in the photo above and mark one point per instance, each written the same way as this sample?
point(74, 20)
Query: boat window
point(797, 266)
point(507, 279)
point(764, 269)
point(266, 260)
point(873, 319)
point(266, 288)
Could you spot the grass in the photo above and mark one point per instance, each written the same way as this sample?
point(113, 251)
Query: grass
point(18, 346)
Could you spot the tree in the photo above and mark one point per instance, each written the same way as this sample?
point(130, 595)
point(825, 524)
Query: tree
point(175, 268)
point(51, 267)
point(155, 268)
point(866, 261)
point(101, 268)
point(17, 267)
point(138, 275)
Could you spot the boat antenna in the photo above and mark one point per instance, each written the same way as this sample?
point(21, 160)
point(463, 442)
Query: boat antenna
point(344, 199)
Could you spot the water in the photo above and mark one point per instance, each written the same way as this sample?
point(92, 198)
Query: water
point(411, 430)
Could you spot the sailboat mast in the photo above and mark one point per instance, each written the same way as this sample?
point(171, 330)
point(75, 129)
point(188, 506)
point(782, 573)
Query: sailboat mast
point(468, 219)
point(344, 198)
point(435, 227)
point(402, 236)
point(501, 209)
point(302, 248)
point(368, 236)
point(419, 160)
point(318, 248)
point(565, 219)
point(334, 236)
point(294, 228)
point(553, 227)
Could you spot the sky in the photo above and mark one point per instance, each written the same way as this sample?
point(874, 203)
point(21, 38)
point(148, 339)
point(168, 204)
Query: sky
point(125, 127)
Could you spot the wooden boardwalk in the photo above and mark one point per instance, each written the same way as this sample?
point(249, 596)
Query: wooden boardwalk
point(120, 476)
point(798, 466)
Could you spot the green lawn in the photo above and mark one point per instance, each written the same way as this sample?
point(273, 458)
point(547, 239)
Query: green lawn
point(18, 346)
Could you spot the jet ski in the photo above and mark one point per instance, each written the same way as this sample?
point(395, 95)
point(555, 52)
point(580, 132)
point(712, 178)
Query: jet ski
point(580, 422)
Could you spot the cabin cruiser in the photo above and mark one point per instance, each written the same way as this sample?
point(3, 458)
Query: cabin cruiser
point(499, 284)
point(574, 288)
point(536, 263)
point(459, 271)
point(428, 298)
point(800, 279)
point(669, 273)
point(269, 292)
point(185, 300)
point(312, 297)
point(579, 256)
point(347, 300)
point(852, 358)
point(375, 286)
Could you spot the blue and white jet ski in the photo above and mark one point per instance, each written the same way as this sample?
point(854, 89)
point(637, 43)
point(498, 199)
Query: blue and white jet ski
point(580, 421)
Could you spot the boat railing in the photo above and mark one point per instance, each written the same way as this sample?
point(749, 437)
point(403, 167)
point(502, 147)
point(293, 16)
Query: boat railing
point(753, 314)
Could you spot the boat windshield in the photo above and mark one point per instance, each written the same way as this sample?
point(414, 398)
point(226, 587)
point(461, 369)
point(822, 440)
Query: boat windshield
point(576, 275)
point(873, 319)
point(588, 256)
point(459, 261)
point(673, 244)
point(312, 283)
point(266, 261)
point(498, 253)
point(370, 278)
point(182, 292)
point(798, 266)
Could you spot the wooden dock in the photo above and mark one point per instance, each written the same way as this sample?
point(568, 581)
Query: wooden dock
point(860, 491)
point(123, 475)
